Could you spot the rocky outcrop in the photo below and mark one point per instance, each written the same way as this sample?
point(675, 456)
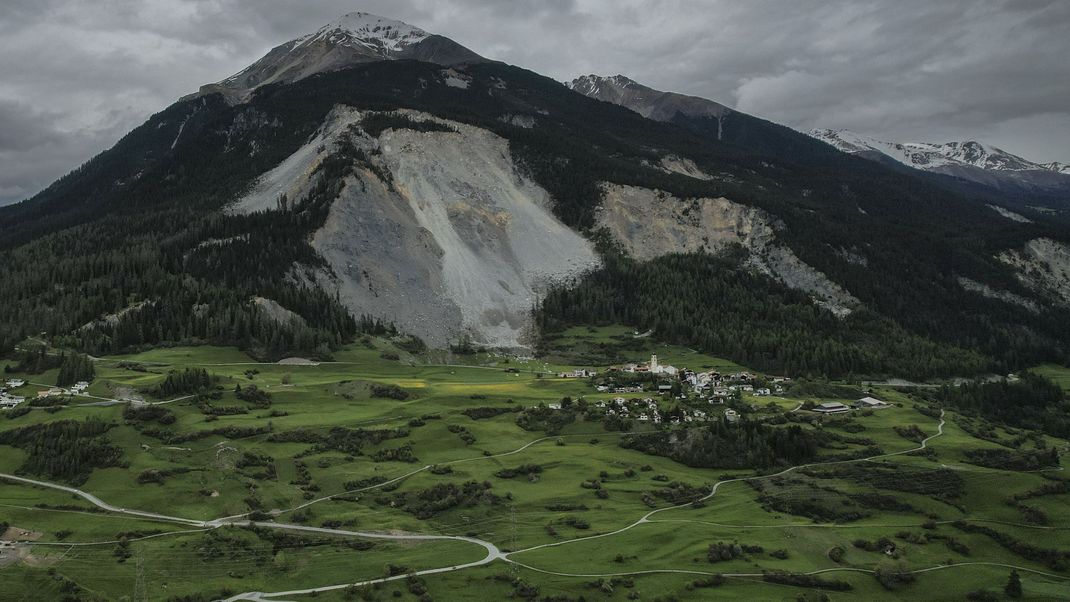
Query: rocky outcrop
point(1043, 265)
point(650, 223)
point(272, 310)
point(435, 231)
point(987, 291)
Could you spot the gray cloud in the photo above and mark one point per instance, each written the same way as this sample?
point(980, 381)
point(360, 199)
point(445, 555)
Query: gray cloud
point(75, 76)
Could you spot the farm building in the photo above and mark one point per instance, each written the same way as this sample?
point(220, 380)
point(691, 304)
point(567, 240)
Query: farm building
point(832, 407)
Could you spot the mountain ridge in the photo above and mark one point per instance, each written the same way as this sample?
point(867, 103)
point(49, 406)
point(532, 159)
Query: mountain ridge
point(351, 39)
point(898, 248)
point(929, 155)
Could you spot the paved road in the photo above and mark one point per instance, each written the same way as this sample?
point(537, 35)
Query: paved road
point(99, 503)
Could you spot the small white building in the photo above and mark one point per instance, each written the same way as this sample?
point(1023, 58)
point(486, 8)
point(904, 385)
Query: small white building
point(762, 392)
point(15, 383)
point(731, 415)
point(870, 403)
point(8, 402)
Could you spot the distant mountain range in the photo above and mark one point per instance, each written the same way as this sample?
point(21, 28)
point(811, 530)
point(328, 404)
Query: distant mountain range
point(930, 156)
point(969, 167)
point(967, 160)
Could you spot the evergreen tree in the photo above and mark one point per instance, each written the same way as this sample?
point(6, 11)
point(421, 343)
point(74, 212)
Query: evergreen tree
point(1013, 589)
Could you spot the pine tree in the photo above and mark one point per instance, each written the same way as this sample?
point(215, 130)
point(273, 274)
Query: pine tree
point(1013, 589)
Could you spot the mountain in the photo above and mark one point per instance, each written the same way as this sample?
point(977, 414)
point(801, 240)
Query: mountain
point(930, 156)
point(703, 116)
point(477, 203)
point(969, 160)
point(648, 102)
point(351, 39)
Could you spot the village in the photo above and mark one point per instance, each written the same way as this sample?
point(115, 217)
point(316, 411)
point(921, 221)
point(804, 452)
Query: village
point(681, 390)
point(9, 399)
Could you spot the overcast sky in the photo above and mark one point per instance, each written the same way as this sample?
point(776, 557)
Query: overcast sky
point(75, 75)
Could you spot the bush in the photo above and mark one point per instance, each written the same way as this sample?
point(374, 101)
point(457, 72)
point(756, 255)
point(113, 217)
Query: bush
point(390, 391)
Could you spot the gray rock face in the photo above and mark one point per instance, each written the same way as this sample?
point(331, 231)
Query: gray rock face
point(648, 102)
point(439, 233)
point(1044, 266)
point(350, 40)
point(650, 223)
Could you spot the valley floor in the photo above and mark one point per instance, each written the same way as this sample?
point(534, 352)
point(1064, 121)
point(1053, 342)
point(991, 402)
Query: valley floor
point(371, 477)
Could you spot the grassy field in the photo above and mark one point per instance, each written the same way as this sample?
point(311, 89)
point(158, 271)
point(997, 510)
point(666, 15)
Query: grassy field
point(450, 459)
point(1059, 374)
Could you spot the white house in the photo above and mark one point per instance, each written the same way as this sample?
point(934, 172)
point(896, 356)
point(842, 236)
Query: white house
point(15, 383)
point(731, 415)
point(763, 391)
point(10, 401)
point(577, 373)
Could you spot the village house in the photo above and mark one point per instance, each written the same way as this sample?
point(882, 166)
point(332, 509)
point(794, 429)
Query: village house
point(731, 415)
point(15, 383)
point(577, 373)
point(8, 401)
point(79, 387)
point(762, 392)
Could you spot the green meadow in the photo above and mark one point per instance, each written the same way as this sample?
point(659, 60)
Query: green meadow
point(381, 441)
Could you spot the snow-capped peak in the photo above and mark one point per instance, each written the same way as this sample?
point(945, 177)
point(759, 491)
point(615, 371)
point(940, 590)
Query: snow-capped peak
point(349, 40)
point(1062, 168)
point(368, 30)
point(934, 156)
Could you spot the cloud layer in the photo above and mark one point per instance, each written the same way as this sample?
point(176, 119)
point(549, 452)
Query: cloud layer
point(75, 76)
